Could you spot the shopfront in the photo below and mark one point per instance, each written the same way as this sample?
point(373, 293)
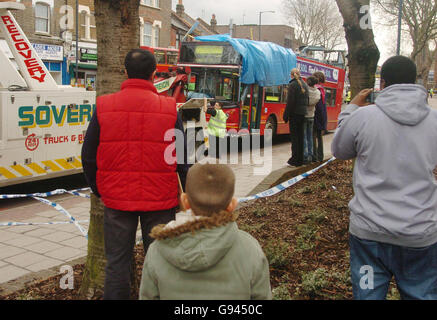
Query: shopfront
point(51, 55)
point(53, 58)
point(86, 69)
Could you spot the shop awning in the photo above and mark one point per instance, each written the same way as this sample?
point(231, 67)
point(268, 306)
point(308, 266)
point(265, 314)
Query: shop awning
point(89, 66)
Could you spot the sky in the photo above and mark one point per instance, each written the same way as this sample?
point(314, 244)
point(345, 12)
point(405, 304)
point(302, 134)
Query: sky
point(247, 12)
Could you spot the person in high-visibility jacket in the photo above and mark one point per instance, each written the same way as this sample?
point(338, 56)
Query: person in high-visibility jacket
point(348, 97)
point(216, 128)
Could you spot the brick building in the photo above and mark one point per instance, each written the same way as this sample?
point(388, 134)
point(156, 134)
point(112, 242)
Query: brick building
point(280, 34)
point(155, 23)
point(40, 23)
point(50, 26)
point(181, 22)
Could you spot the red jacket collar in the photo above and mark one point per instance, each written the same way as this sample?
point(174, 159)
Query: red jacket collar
point(138, 83)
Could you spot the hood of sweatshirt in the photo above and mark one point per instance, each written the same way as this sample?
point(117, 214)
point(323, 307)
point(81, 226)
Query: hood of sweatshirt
point(197, 243)
point(404, 103)
point(314, 96)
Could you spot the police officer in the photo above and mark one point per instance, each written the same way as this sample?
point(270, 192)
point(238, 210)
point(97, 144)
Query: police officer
point(216, 127)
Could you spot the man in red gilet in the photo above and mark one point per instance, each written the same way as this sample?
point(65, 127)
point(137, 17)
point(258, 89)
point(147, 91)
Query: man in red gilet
point(124, 163)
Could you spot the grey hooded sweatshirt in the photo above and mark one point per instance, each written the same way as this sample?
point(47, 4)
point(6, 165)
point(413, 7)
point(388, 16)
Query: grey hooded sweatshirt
point(395, 145)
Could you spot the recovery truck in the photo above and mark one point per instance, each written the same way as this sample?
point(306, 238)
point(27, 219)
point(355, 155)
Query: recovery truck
point(42, 124)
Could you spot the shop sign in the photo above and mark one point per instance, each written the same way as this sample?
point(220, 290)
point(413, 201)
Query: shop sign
point(49, 51)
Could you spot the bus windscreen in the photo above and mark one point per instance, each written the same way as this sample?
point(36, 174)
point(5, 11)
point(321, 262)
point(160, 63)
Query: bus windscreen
point(216, 53)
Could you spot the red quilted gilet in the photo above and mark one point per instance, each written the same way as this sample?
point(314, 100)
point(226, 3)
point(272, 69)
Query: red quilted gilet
point(132, 173)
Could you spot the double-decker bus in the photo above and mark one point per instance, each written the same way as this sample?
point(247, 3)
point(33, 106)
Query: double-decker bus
point(166, 58)
point(216, 69)
point(169, 80)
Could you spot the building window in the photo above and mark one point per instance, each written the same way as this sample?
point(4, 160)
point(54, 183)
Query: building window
point(87, 24)
point(150, 35)
point(151, 3)
point(93, 34)
point(42, 17)
point(156, 36)
point(82, 24)
point(147, 36)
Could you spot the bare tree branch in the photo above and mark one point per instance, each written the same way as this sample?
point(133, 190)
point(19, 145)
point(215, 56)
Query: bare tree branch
point(317, 22)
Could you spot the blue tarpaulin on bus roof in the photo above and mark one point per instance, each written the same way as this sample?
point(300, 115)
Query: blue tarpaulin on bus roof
point(264, 63)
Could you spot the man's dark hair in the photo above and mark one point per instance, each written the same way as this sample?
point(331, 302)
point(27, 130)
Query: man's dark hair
point(139, 64)
point(397, 70)
point(312, 81)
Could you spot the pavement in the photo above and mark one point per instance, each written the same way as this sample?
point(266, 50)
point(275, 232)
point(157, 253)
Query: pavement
point(34, 252)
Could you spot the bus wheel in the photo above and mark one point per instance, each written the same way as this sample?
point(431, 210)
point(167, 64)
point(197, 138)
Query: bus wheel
point(271, 124)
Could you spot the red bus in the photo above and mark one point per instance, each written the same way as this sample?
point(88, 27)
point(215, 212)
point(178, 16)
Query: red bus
point(166, 58)
point(169, 80)
point(215, 73)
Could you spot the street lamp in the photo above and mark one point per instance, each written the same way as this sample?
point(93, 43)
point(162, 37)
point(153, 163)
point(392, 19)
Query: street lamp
point(398, 50)
point(259, 31)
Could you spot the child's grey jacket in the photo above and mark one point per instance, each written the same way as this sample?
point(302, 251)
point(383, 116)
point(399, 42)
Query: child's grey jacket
point(205, 259)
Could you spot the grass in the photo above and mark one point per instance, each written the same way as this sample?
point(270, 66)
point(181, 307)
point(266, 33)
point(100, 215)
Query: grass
point(305, 190)
point(314, 281)
point(307, 235)
point(281, 292)
point(277, 253)
point(316, 216)
point(251, 228)
point(291, 202)
point(260, 212)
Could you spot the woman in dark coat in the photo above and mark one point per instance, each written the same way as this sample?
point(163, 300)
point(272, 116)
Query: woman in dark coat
point(294, 114)
point(320, 120)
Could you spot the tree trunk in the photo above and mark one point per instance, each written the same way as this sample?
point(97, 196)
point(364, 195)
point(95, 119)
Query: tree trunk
point(363, 54)
point(117, 27)
point(118, 31)
point(94, 273)
point(424, 60)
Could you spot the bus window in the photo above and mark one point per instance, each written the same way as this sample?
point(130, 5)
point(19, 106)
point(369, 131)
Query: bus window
point(160, 57)
point(172, 57)
point(216, 84)
point(330, 97)
point(192, 83)
point(273, 94)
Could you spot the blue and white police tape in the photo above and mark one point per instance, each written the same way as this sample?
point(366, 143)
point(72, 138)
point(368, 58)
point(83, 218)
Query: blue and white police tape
point(12, 224)
point(65, 212)
point(46, 194)
point(281, 187)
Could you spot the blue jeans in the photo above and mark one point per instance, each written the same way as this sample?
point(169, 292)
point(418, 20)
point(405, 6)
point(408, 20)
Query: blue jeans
point(308, 139)
point(373, 264)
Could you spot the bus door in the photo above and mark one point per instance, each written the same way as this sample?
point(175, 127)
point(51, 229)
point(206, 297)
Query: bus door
point(251, 106)
point(257, 104)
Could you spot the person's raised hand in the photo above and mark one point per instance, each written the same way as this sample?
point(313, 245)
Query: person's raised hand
point(360, 98)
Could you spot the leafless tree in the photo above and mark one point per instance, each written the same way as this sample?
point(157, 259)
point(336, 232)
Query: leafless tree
point(317, 22)
point(421, 19)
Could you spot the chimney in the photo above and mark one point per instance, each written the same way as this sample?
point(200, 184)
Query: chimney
point(213, 22)
point(180, 9)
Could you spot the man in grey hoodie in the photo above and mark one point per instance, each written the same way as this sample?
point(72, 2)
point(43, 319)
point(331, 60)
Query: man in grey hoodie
point(393, 221)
